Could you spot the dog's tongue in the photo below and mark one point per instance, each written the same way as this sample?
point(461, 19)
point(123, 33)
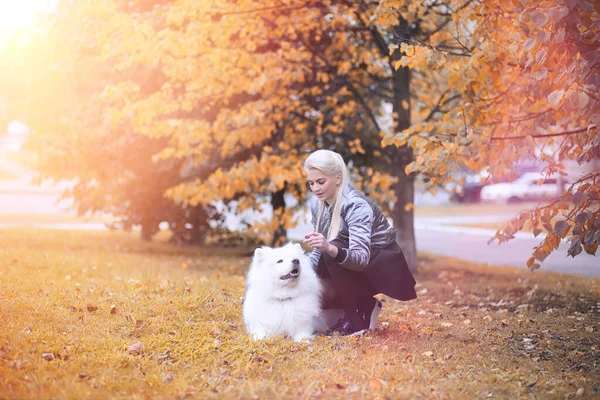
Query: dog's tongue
point(288, 276)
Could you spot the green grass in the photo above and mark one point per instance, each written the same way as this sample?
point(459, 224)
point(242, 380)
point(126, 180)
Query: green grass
point(474, 331)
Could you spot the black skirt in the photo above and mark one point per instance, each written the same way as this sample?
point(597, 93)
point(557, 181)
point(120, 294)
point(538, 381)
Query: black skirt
point(387, 273)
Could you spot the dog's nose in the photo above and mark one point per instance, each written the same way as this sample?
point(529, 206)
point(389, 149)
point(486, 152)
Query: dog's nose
point(295, 261)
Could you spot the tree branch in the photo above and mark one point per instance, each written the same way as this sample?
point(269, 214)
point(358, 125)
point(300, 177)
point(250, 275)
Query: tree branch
point(575, 132)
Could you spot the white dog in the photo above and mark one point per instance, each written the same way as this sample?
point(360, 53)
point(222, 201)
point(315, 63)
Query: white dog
point(283, 294)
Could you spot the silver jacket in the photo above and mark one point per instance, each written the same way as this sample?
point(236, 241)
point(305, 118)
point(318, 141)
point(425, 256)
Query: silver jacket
point(363, 226)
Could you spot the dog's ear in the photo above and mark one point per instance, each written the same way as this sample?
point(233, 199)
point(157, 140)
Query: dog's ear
point(260, 253)
point(299, 246)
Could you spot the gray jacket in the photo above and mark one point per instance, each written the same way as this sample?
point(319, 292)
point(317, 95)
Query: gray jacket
point(363, 226)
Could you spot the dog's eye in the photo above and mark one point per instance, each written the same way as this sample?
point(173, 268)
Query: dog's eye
point(279, 262)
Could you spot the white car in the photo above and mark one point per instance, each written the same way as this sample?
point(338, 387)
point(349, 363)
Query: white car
point(528, 187)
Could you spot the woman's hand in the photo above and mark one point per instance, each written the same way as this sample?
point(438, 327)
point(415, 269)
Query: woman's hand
point(318, 241)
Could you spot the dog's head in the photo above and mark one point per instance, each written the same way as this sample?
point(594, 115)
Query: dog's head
point(284, 264)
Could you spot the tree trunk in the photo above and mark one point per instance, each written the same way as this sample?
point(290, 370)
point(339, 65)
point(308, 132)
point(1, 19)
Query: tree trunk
point(405, 186)
point(149, 229)
point(278, 203)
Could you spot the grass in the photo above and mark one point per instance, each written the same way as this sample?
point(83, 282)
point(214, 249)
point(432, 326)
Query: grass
point(103, 315)
point(50, 218)
point(6, 176)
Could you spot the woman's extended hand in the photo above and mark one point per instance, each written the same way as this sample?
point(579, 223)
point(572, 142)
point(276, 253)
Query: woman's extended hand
point(318, 241)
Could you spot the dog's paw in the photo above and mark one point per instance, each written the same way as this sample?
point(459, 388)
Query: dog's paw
point(303, 337)
point(258, 335)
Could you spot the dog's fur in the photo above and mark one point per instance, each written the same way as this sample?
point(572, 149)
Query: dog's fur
point(283, 296)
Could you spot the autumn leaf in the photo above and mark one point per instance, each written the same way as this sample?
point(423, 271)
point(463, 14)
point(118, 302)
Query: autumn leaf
point(538, 18)
point(135, 349)
point(561, 227)
point(555, 97)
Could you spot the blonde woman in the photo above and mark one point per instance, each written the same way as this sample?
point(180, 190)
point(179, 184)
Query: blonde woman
point(354, 246)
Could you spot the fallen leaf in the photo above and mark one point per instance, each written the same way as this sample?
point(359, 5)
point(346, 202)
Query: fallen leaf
point(487, 318)
point(168, 377)
point(374, 383)
point(139, 324)
point(135, 348)
point(91, 308)
point(428, 354)
point(113, 309)
point(467, 321)
point(589, 329)
point(580, 392)
point(446, 324)
point(48, 356)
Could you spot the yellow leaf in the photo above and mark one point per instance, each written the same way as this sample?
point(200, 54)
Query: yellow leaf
point(374, 383)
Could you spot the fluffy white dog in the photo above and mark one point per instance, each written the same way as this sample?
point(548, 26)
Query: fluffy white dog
point(283, 294)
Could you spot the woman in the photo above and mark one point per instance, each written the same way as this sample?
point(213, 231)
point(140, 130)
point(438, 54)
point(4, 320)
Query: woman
point(354, 246)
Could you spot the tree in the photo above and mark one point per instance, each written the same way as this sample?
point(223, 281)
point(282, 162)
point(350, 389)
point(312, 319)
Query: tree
point(273, 80)
point(59, 80)
point(239, 91)
point(528, 73)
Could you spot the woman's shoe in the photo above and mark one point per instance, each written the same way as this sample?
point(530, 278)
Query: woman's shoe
point(345, 327)
point(370, 313)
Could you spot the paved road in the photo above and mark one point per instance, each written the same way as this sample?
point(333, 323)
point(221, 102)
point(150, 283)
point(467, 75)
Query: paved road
point(471, 244)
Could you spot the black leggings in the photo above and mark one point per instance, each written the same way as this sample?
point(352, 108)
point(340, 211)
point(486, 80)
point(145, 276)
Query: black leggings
point(344, 288)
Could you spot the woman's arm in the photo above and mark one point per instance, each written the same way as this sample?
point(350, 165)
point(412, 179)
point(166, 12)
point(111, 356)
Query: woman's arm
point(359, 219)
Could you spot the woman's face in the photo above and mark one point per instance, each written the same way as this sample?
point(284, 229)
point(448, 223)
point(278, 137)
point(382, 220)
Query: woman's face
point(322, 185)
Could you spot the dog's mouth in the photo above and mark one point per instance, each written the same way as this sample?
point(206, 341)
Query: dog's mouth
point(294, 273)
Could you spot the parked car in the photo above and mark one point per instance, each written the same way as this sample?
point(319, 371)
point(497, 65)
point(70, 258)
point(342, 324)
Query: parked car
point(470, 191)
point(524, 188)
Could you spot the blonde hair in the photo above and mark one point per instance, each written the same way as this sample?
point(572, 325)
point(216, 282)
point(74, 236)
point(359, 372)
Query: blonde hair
point(330, 163)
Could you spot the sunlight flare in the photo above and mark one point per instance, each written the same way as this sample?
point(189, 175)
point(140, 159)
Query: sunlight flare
point(16, 14)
